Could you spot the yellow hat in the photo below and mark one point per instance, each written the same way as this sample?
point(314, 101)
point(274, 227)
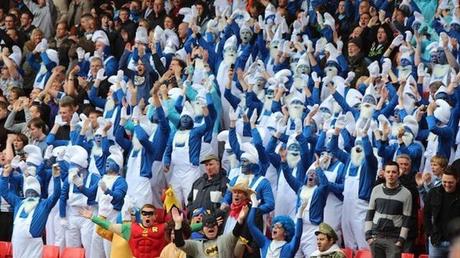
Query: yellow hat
point(170, 200)
point(243, 186)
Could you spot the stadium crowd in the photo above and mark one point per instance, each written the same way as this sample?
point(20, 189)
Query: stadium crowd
point(230, 128)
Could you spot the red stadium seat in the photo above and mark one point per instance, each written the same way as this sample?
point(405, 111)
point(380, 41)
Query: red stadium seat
point(407, 255)
point(348, 252)
point(363, 254)
point(6, 250)
point(73, 252)
point(50, 251)
point(423, 256)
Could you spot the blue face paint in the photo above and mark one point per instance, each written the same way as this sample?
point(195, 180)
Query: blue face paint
point(98, 138)
point(186, 122)
point(294, 149)
point(31, 193)
point(111, 166)
point(247, 167)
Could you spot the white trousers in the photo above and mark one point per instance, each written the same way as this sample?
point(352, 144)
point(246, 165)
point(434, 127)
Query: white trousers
point(55, 233)
point(79, 232)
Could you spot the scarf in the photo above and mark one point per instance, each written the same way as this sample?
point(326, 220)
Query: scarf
point(332, 249)
point(235, 209)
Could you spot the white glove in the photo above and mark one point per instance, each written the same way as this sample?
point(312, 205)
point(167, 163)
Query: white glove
point(320, 45)
point(75, 119)
point(254, 201)
point(58, 120)
point(339, 45)
point(374, 69)
point(77, 180)
point(421, 70)
point(329, 20)
point(350, 76)
point(333, 53)
point(63, 222)
point(48, 152)
point(80, 53)
point(315, 78)
point(408, 36)
point(60, 154)
point(386, 67)
point(42, 46)
point(398, 41)
point(15, 161)
point(120, 75)
point(442, 39)
point(232, 115)
point(23, 167)
point(100, 75)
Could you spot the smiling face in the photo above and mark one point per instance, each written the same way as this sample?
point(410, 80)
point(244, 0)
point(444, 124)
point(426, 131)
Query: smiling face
point(449, 183)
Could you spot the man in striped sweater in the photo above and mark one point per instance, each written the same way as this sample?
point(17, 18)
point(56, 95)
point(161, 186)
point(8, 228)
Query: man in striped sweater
point(388, 215)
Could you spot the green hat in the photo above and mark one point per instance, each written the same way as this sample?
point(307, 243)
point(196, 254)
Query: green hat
point(327, 230)
point(208, 158)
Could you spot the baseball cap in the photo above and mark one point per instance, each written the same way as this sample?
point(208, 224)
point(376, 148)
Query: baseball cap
point(208, 158)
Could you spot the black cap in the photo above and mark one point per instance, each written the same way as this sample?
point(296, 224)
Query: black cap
point(209, 221)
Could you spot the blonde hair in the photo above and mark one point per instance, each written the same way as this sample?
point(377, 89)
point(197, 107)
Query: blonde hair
point(441, 161)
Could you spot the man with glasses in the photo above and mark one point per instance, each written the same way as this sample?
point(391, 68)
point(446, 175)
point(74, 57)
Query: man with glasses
point(146, 239)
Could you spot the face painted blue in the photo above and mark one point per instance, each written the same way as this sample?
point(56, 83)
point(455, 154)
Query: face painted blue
point(405, 62)
point(294, 149)
point(98, 138)
point(247, 167)
point(111, 166)
point(31, 193)
point(186, 122)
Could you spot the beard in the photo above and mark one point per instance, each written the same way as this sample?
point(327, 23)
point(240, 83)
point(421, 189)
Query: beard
point(229, 57)
point(357, 158)
point(367, 112)
point(30, 203)
point(295, 112)
point(292, 160)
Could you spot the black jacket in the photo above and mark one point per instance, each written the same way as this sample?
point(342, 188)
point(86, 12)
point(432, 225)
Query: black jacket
point(199, 196)
point(433, 217)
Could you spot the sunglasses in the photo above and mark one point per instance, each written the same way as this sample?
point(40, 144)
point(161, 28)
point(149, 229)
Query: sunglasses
point(147, 213)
